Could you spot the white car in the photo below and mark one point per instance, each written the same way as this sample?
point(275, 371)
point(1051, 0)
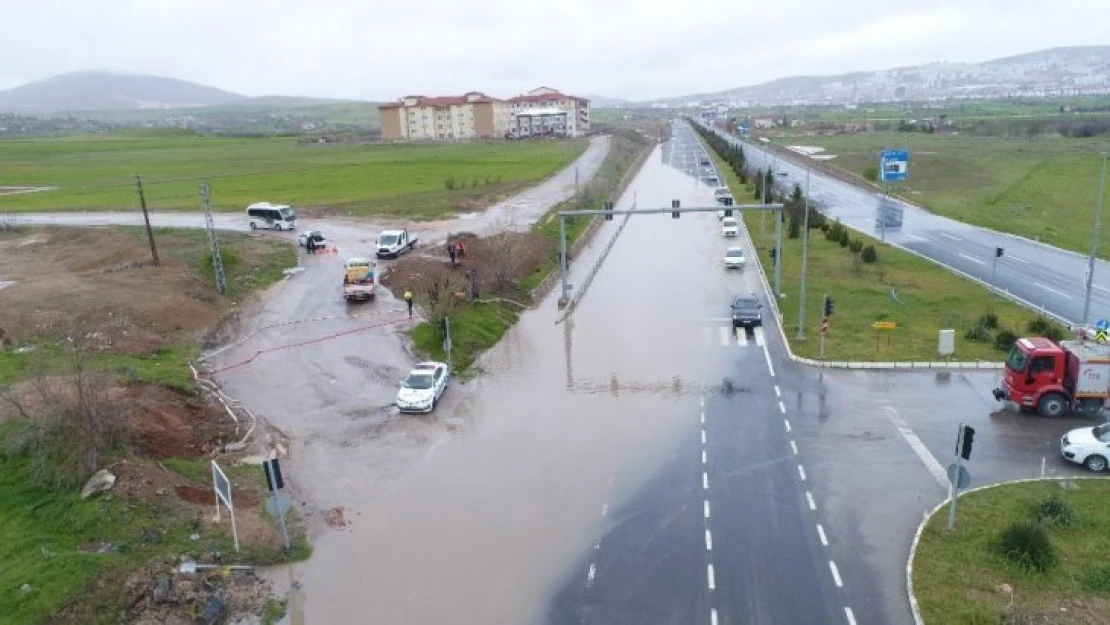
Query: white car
point(730, 227)
point(422, 388)
point(317, 237)
point(1089, 446)
point(734, 258)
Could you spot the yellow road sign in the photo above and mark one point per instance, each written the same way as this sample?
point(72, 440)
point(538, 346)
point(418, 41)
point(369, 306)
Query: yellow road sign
point(884, 325)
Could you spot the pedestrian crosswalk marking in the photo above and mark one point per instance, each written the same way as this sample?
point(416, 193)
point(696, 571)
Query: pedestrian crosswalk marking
point(738, 337)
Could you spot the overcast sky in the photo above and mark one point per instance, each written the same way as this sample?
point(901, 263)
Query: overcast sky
point(642, 49)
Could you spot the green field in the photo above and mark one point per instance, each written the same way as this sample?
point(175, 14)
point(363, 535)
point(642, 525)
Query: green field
point(920, 297)
point(1040, 188)
point(957, 576)
point(96, 173)
point(959, 110)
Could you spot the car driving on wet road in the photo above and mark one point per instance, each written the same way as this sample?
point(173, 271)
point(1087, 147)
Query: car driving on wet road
point(1089, 446)
point(747, 311)
point(734, 258)
point(422, 388)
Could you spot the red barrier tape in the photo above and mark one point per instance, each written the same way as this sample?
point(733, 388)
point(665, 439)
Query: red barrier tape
point(309, 342)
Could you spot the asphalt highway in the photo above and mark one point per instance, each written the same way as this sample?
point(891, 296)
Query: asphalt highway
point(725, 527)
point(1042, 275)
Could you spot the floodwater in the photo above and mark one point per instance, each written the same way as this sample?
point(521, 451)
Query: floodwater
point(474, 514)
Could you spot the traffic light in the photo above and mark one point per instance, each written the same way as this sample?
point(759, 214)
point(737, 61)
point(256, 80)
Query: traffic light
point(998, 251)
point(675, 204)
point(608, 211)
point(774, 252)
point(966, 442)
point(830, 305)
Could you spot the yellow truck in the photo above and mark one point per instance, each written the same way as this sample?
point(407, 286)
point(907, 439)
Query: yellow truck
point(358, 279)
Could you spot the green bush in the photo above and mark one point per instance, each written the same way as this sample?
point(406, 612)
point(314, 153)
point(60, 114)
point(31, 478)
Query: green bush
point(855, 246)
point(1098, 579)
point(1055, 510)
point(869, 255)
point(1028, 545)
point(450, 183)
point(870, 173)
point(1004, 339)
point(977, 333)
point(845, 238)
point(989, 321)
point(1043, 326)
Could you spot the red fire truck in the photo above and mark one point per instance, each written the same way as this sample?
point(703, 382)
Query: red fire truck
point(1057, 378)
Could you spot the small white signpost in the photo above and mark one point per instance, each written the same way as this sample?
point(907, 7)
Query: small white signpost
point(222, 486)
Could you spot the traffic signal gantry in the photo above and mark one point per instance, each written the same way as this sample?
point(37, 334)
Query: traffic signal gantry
point(608, 212)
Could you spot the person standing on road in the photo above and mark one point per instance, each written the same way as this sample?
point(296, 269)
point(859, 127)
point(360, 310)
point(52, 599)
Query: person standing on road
point(310, 245)
point(408, 302)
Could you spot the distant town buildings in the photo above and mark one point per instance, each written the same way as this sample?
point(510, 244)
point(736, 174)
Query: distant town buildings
point(475, 115)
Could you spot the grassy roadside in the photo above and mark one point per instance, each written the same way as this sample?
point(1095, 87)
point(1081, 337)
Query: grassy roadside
point(962, 577)
point(72, 558)
point(920, 297)
point(412, 181)
point(1043, 188)
point(478, 327)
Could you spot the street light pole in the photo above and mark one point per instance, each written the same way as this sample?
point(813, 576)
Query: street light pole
point(1094, 242)
point(805, 261)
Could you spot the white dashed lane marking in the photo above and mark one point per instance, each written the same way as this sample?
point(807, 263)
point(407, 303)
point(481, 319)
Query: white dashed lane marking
point(821, 535)
point(835, 574)
point(810, 501)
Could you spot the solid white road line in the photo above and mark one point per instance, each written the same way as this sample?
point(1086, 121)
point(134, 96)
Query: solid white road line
point(1020, 260)
point(787, 423)
point(918, 447)
point(705, 507)
point(948, 236)
point(849, 615)
point(782, 407)
point(835, 574)
point(711, 578)
point(821, 535)
point(708, 541)
point(794, 447)
point(809, 498)
point(1052, 290)
point(758, 332)
point(972, 259)
point(767, 355)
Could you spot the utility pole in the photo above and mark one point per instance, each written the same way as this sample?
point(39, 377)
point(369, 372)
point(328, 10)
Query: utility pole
point(146, 218)
point(886, 194)
point(213, 240)
point(805, 261)
point(1094, 242)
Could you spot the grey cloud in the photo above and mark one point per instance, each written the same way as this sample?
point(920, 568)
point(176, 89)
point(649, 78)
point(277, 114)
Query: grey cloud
point(651, 48)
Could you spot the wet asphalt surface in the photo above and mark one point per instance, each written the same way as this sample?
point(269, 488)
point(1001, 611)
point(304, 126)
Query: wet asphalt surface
point(1043, 275)
point(601, 471)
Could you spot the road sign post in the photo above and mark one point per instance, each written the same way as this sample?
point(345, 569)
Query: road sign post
point(222, 486)
point(447, 339)
point(958, 477)
point(278, 505)
point(894, 166)
point(824, 331)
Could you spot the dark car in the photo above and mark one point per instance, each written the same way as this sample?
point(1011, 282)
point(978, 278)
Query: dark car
point(746, 311)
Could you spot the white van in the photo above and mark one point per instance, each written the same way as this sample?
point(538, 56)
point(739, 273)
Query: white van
point(274, 216)
point(730, 227)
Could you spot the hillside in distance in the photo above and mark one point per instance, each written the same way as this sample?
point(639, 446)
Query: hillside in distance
point(1053, 72)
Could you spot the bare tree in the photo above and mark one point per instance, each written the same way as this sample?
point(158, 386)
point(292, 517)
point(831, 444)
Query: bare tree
point(74, 419)
point(505, 257)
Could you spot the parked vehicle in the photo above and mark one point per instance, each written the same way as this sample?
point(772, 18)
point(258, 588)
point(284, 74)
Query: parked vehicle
point(393, 243)
point(358, 279)
point(422, 388)
point(1057, 378)
point(273, 216)
point(1088, 446)
point(316, 236)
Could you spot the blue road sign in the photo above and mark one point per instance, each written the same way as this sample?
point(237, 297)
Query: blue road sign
point(745, 129)
point(894, 165)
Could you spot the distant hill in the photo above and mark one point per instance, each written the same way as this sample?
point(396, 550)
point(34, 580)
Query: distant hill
point(105, 91)
point(1052, 72)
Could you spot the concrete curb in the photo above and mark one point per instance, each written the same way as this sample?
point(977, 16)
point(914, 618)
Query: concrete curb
point(915, 609)
point(833, 364)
